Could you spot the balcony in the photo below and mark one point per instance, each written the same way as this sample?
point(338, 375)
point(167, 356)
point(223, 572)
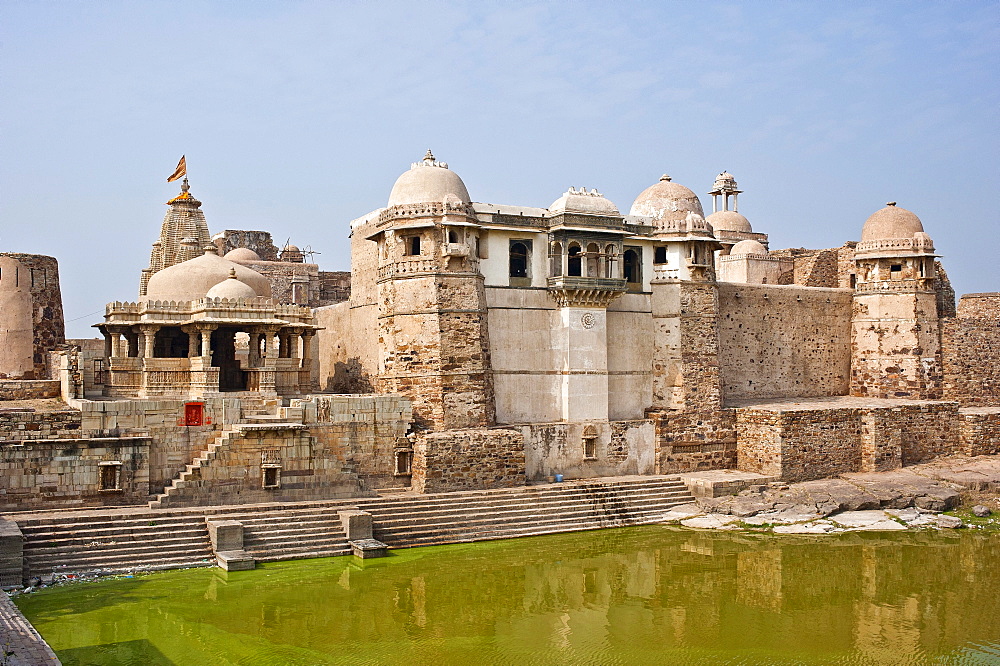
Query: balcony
point(577, 291)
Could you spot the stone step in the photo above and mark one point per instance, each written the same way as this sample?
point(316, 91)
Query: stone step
point(418, 532)
point(93, 545)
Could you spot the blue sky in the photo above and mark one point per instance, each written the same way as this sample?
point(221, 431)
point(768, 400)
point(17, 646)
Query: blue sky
point(297, 117)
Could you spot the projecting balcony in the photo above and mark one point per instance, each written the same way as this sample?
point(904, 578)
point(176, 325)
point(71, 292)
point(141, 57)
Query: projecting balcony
point(455, 249)
point(577, 291)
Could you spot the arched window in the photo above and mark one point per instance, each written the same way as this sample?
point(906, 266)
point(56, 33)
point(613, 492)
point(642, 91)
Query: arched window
point(593, 260)
point(610, 259)
point(555, 259)
point(631, 267)
point(518, 260)
point(575, 264)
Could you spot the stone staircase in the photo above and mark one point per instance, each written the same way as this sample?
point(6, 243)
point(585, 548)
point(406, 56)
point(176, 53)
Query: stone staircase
point(192, 471)
point(137, 538)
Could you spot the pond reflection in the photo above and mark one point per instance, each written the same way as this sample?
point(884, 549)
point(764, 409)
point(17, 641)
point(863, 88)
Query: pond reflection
point(634, 595)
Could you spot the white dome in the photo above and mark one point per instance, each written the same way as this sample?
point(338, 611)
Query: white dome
point(242, 254)
point(192, 279)
point(667, 203)
point(729, 220)
point(428, 181)
point(583, 202)
point(748, 246)
point(232, 288)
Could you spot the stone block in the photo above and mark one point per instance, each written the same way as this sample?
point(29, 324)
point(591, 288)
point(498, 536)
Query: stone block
point(357, 524)
point(369, 548)
point(226, 535)
point(234, 560)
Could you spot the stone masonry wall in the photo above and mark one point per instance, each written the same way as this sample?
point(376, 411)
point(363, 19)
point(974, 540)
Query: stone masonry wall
point(689, 441)
point(28, 389)
point(970, 350)
point(798, 445)
point(468, 460)
point(980, 431)
point(619, 447)
point(47, 306)
point(64, 473)
point(784, 341)
point(27, 424)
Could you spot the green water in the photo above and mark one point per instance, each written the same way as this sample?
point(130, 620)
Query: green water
point(647, 595)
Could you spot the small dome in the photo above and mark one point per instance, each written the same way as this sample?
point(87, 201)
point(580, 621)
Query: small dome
point(291, 253)
point(891, 222)
point(242, 254)
point(666, 202)
point(729, 220)
point(583, 202)
point(232, 288)
point(192, 279)
point(428, 181)
point(748, 246)
point(724, 182)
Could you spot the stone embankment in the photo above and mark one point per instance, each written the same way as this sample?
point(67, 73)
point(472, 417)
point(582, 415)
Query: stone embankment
point(914, 496)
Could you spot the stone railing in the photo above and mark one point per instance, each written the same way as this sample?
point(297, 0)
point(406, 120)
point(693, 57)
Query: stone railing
point(390, 215)
point(916, 245)
point(411, 267)
point(896, 286)
point(574, 291)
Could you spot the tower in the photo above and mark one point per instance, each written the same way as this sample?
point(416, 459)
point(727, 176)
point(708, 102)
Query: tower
point(433, 339)
point(896, 340)
point(183, 235)
point(685, 301)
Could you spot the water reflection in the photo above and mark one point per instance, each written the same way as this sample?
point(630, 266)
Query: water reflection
point(636, 595)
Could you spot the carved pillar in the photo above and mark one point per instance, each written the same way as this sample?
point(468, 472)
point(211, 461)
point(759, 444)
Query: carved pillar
point(253, 360)
point(148, 339)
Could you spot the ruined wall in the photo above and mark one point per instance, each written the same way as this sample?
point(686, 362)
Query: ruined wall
point(980, 431)
point(472, 459)
point(970, 351)
point(63, 473)
point(784, 341)
point(831, 267)
point(16, 330)
point(28, 389)
point(370, 429)
point(691, 440)
point(334, 287)
point(258, 241)
point(48, 327)
point(803, 444)
point(619, 448)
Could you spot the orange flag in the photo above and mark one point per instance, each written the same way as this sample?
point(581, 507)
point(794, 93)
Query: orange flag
point(181, 170)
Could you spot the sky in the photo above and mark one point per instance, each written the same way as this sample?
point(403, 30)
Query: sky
point(296, 117)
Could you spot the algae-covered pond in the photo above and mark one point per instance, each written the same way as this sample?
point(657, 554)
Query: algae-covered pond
point(647, 595)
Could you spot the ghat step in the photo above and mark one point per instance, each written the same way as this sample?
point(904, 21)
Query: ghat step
point(126, 539)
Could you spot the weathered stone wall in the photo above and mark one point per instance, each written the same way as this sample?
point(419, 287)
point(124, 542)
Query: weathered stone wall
point(63, 473)
point(258, 241)
point(371, 429)
point(829, 268)
point(334, 287)
point(28, 424)
point(970, 351)
point(686, 346)
point(47, 308)
point(28, 389)
point(688, 441)
point(630, 350)
point(347, 348)
point(619, 447)
point(798, 445)
point(468, 460)
point(784, 341)
point(980, 431)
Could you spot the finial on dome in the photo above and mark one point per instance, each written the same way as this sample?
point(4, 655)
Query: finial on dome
point(184, 185)
point(429, 157)
point(890, 203)
point(232, 274)
point(665, 177)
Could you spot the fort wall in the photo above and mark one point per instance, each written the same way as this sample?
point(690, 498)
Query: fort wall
point(47, 323)
point(970, 350)
point(471, 459)
point(784, 341)
point(62, 473)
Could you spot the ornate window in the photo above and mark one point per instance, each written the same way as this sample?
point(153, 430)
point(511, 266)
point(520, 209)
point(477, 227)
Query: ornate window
point(520, 262)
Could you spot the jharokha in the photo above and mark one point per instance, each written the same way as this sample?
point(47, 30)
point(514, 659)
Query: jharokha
point(477, 346)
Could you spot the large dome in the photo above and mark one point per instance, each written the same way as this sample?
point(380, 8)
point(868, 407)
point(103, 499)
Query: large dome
point(729, 220)
point(891, 222)
point(232, 288)
point(748, 246)
point(583, 202)
point(666, 202)
point(192, 279)
point(428, 181)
